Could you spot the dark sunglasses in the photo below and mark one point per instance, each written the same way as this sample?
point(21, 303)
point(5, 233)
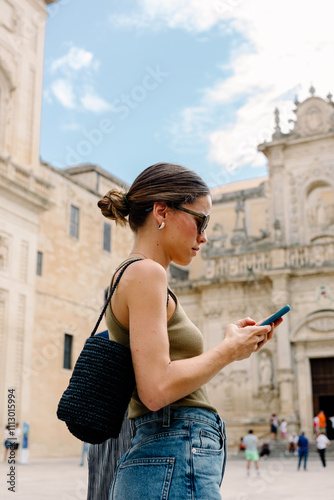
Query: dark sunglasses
point(201, 219)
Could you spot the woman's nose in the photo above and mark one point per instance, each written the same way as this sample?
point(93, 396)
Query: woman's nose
point(202, 238)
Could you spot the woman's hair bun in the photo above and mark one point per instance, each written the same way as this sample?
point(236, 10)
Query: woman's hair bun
point(115, 205)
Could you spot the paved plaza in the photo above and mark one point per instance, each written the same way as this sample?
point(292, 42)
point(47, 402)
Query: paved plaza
point(64, 479)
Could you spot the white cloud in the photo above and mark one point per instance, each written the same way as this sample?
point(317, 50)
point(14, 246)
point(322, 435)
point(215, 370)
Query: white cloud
point(191, 15)
point(76, 59)
point(74, 89)
point(63, 91)
point(93, 102)
point(289, 46)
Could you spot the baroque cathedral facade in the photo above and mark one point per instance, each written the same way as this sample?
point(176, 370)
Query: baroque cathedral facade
point(270, 243)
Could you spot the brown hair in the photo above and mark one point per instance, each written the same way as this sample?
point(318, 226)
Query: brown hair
point(172, 184)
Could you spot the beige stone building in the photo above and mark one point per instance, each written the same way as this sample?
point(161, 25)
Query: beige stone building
point(270, 242)
point(24, 195)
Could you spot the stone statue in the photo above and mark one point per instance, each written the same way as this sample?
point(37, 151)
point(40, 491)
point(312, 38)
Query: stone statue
point(277, 231)
point(321, 211)
point(265, 370)
point(240, 207)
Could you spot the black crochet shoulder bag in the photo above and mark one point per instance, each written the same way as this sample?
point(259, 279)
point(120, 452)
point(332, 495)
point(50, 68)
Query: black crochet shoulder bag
point(100, 388)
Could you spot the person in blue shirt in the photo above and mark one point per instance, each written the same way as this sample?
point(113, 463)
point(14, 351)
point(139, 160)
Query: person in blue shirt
point(302, 449)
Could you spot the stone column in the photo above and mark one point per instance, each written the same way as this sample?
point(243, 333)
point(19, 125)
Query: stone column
point(277, 206)
point(285, 376)
point(304, 389)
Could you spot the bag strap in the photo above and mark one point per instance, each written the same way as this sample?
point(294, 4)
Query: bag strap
point(111, 294)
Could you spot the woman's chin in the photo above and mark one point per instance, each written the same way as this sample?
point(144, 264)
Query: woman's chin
point(183, 261)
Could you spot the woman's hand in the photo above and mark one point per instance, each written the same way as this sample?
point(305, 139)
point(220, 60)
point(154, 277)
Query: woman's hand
point(273, 326)
point(245, 336)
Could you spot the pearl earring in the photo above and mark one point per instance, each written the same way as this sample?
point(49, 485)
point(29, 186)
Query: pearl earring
point(161, 226)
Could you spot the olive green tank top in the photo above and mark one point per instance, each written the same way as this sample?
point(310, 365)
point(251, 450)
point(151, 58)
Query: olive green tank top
point(185, 341)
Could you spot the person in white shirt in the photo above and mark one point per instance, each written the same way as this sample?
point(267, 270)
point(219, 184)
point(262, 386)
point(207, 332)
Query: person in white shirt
point(292, 446)
point(322, 443)
point(284, 428)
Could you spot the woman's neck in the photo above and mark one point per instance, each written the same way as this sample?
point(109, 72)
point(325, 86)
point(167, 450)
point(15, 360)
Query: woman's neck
point(135, 253)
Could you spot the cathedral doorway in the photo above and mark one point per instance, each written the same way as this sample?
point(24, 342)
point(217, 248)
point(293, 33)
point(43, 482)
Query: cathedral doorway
point(322, 371)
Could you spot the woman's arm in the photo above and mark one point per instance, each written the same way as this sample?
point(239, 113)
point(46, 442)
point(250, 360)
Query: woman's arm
point(159, 380)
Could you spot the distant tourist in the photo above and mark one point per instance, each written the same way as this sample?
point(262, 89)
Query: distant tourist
point(273, 426)
point(284, 428)
point(322, 422)
point(292, 446)
point(316, 425)
point(251, 452)
point(242, 445)
point(265, 451)
point(7, 442)
point(84, 452)
point(302, 450)
point(322, 443)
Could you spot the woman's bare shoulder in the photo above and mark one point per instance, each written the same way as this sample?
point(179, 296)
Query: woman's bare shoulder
point(143, 272)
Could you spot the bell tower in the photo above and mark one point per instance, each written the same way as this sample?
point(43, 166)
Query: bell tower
point(301, 173)
point(22, 26)
point(23, 194)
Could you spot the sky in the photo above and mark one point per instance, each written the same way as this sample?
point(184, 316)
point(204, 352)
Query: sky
point(195, 82)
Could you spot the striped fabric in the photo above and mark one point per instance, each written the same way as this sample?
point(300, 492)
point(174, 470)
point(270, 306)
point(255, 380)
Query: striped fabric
point(102, 462)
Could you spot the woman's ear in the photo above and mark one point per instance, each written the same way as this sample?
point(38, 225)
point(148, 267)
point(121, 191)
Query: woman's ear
point(159, 211)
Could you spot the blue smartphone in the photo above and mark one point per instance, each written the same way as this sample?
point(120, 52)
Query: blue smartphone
point(276, 316)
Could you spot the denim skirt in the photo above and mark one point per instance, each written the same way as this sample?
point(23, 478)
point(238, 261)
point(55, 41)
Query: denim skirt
point(177, 453)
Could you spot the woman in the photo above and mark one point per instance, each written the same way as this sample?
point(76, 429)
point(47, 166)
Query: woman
point(178, 448)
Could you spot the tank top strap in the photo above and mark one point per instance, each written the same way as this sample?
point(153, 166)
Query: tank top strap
point(122, 264)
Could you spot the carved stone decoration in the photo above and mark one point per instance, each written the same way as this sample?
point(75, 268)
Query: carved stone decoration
point(323, 325)
point(321, 208)
point(209, 270)
point(314, 116)
point(239, 238)
point(278, 133)
point(216, 242)
point(8, 17)
point(277, 231)
point(324, 293)
point(3, 253)
point(240, 209)
point(313, 120)
point(8, 69)
point(265, 370)
point(267, 395)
